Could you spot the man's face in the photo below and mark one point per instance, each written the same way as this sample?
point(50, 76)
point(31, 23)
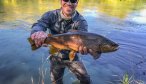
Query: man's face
point(69, 6)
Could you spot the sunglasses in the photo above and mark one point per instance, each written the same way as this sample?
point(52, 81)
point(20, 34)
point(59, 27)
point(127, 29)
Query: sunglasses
point(72, 1)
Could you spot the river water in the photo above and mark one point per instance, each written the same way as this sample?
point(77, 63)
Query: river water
point(123, 21)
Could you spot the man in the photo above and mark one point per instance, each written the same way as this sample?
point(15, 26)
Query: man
point(60, 21)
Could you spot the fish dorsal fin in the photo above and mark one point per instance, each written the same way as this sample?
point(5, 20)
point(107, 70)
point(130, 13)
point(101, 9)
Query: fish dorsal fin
point(49, 35)
point(96, 55)
point(72, 55)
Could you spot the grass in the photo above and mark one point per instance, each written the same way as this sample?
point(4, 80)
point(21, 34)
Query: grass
point(126, 79)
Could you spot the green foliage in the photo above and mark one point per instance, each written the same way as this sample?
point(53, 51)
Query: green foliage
point(126, 79)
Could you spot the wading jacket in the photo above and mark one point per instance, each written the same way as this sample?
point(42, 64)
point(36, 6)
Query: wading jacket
point(54, 22)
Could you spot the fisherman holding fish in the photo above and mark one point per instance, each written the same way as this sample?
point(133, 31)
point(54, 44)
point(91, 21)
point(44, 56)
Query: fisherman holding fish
point(65, 19)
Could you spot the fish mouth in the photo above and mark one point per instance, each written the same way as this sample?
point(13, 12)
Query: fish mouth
point(115, 47)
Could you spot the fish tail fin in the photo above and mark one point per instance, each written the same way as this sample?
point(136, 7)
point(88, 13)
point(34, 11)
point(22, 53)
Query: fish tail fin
point(32, 43)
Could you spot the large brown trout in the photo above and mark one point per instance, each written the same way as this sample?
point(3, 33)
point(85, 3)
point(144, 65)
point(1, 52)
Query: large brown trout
point(72, 40)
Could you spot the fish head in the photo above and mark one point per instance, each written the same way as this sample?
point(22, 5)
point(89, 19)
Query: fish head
point(108, 46)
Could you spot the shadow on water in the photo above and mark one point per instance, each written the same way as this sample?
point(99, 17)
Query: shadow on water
point(122, 21)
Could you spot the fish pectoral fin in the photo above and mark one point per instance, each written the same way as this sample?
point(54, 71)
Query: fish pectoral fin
point(96, 55)
point(72, 55)
point(53, 50)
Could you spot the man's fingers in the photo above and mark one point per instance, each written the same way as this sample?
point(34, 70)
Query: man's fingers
point(36, 43)
point(42, 37)
point(81, 49)
point(39, 42)
point(90, 51)
point(33, 36)
point(39, 38)
point(85, 50)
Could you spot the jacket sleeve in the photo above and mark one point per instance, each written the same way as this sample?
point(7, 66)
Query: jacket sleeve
point(43, 23)
point(82, 25)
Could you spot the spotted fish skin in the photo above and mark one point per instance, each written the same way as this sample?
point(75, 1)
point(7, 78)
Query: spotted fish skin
point(72, 40)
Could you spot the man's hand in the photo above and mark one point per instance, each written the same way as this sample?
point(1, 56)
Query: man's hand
point(39, 37)
point(83, 50)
